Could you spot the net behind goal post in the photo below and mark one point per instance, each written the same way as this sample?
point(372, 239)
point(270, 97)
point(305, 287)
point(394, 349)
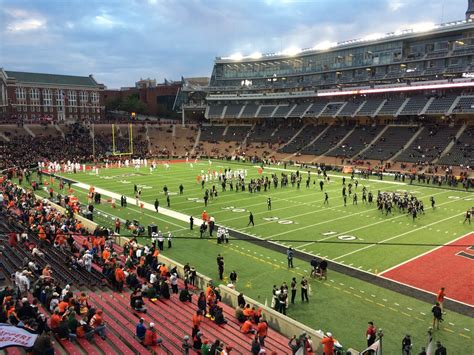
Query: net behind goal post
point(130, 142)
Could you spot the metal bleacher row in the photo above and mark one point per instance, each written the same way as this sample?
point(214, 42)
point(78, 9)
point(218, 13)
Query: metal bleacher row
point(369, 106)
point(171, 316)
point(405, 143)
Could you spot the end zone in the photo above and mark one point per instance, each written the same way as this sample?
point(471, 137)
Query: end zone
point(450, 266)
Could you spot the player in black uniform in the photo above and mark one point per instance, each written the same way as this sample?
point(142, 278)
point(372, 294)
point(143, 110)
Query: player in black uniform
point(468, 217)
point(251, 220)
point(269, 203)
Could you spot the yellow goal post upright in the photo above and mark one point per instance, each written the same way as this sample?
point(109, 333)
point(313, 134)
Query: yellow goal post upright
point(130, 142)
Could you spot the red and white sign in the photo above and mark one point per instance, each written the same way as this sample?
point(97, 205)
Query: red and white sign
point(13, 336)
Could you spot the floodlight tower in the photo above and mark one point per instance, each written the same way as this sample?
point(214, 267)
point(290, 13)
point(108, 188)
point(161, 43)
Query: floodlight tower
point(470, 10)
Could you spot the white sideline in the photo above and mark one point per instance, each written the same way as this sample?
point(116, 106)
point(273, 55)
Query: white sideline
point(163, 211)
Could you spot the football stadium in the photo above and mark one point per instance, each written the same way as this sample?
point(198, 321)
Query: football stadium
point(306, 201)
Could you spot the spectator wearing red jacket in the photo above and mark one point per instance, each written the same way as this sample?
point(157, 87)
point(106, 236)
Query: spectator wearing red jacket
point(151, 338)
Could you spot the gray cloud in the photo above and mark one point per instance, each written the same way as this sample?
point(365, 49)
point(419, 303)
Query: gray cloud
point(120, 41)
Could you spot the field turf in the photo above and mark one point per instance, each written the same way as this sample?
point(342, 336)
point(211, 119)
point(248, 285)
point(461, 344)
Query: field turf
point(298, 218)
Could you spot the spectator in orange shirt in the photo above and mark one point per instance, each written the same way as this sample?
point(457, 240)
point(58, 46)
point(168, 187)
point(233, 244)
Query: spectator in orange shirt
point(328, 344)
point(63, 306)
point(164, 271)
point(248, 312)
point(106, 254)
point(97, 324)
point(119, 278)
point(440, 298)
point(197, 319)
point(262, 330)
point(102, 242)
point(247, 327)
point(55, 320)
point(46, 272)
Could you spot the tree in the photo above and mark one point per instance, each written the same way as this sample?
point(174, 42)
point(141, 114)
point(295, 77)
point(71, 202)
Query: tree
point(130, 103)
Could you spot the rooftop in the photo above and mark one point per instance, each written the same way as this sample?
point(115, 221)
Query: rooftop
point(56, 79)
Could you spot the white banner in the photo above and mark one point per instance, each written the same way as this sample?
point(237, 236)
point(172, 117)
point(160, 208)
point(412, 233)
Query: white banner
point(13, 336)
point(375, 347)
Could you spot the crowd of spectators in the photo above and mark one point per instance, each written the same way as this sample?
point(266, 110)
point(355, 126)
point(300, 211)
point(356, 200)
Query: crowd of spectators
point(37, 292)
point(77, 145)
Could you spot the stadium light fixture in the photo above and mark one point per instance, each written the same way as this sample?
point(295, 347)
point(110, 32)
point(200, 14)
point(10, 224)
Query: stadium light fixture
point(236, 56)
point(255, 55)
point(373, 37)
point(324, 45)
point(423, 27)
point(291, 51)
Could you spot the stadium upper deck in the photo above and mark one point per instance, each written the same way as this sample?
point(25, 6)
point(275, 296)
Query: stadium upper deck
point(424, 53)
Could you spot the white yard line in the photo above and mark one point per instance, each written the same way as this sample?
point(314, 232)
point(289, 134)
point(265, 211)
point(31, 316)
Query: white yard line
point(397, 236)
point(308, 226)
point(367, 226)
point(335, 219)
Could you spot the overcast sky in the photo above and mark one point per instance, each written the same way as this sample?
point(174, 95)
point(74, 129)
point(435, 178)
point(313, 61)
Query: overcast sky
point(122, 41)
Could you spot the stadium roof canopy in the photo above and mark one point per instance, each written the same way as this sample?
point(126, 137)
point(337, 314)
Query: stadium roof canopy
point(55, 79)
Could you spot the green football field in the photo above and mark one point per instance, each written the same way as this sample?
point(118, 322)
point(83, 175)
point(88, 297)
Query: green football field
point(298, 216)
point(354, 235)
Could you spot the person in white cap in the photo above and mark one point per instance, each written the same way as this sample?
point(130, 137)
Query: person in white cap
point(54, 302)
point(328, 344)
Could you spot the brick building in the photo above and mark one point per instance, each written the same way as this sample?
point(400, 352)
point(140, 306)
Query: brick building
point(37, 96)
point(159, 99)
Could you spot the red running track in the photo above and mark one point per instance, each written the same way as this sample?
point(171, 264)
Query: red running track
point(450, 266)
